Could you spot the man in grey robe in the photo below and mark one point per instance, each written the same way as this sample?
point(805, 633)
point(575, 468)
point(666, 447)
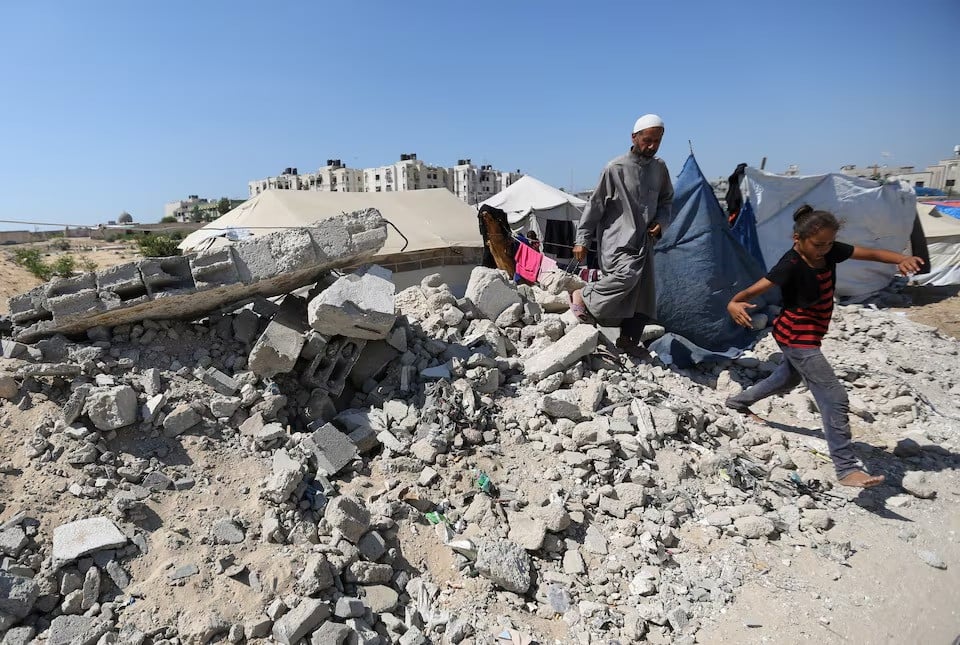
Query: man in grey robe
point(625, 217)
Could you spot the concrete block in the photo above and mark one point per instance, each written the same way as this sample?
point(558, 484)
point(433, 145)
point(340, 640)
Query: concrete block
point(331, 633)
point(579, 342)
point(166, 276)
point(8, 387)
point(285, 251)
point(76, 539)
point(219, 381)
point(491, 291)
point(76, 630)
point(300, 621)
point(181, 419)
point(17, 595)
point(285, 478)
point(373, 360)
point(349, 515)
point(30, 307)
point(332, 449)
point(214, 268)
point(246, 325)
point(360, 305)
point(77, 296)
point(121, 286)
point(12, 349)
point(277, 350)
point(330, 369)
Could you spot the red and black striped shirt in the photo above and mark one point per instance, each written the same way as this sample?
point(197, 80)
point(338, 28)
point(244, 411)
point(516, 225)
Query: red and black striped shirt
point(807, 296)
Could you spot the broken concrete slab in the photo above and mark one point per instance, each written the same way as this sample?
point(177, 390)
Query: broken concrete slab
point(331, 449)
point(492, 291)
point(76, 630)
point(76, 539)
point(504, 563)
point(360, 305)
point(17, 595)
point(187, 287)
point(300, 621)
point(276, 351)
point(579, 342)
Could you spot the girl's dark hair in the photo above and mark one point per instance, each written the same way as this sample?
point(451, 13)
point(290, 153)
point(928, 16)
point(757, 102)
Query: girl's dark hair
point(807, 221)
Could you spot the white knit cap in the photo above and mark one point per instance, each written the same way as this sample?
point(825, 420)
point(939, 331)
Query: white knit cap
point(647, 121)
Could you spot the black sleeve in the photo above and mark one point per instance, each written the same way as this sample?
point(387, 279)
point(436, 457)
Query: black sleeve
point(782, 270)
point(839, 252)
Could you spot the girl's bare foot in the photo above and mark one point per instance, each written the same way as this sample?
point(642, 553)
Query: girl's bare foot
point(860, 479)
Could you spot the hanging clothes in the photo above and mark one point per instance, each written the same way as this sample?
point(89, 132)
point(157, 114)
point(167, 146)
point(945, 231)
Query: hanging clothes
point(528, 262)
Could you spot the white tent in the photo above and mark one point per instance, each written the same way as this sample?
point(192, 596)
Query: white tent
point(440, 229)
point(874, 215)
point(429, 219)
point(943, 243)
point(530, 204)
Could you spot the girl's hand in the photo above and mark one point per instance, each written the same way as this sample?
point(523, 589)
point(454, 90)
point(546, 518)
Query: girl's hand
point(738, 311)
point(910, 265)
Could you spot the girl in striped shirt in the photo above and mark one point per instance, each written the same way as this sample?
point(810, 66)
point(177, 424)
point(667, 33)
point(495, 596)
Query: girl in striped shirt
point(806, 275)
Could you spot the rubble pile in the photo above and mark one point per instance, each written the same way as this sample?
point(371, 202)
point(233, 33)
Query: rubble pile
point(347, 464)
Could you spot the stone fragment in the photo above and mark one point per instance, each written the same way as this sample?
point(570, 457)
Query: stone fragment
point(300, 621)
point(332, 449)
point(491, 291)
point(379, 598)
point(181, 419)
point(226, 531)
point(76, 630)
point(504, 563)
point(17, 595)
point(285, 478)
point(528, 532)
point(76, 539)
point(918, 484)
point(931, 558)
point(360, 305)
point(112, 409)
point(578, 343)
point(348, 515)
point(8, 387)
point(754, 527)
point(277, 349)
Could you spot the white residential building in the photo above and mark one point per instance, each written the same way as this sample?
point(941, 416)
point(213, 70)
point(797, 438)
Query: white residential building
point(943, 176)
point(468, 182)
point(182, 207)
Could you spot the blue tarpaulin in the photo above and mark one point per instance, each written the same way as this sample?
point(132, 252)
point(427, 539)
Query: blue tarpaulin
point(745, 230)
point(700, 266)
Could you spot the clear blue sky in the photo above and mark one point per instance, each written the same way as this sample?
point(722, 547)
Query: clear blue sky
point(126, 105)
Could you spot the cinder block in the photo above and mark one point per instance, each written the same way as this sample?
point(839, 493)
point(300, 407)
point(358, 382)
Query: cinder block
point(329, 369)
point(68, 297)
point(121, 286)
point(214, 268)
point(162, 276)
point(331, 449)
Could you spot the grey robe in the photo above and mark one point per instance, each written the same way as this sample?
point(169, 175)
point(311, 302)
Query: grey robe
point(634, 191)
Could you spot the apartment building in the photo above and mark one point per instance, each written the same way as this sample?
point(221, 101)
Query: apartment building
point(470, 183)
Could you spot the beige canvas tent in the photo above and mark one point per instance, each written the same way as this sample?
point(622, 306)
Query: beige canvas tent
point(440, 230)
point(943, 243)
point(437, 231)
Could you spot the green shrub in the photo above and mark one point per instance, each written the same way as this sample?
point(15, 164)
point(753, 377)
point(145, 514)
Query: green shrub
point(60, 244)
point(88, 265)
point(157, 246)
point(64, 266)
point(32, 261)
